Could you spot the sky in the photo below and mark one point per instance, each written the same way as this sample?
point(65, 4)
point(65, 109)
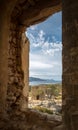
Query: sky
point(45, 58)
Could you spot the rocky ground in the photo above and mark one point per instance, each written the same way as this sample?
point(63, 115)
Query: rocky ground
point(51, 104)
point(46, 96)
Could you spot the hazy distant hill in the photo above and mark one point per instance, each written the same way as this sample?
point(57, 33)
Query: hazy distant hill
point(31, 79)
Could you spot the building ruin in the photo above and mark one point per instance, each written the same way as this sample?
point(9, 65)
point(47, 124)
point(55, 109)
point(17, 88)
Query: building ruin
point(15, 17)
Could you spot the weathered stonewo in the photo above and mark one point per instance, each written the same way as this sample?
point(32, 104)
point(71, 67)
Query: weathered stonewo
point(15, 17)
point(18, 70)
point(25, 68)
point(12, 25)
point(15, 73)
point(70, 64)
point(30, 120)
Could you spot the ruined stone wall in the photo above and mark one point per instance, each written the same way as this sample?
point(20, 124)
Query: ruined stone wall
point(11, 90)
point(13, 11)
point(4, 31)
point(70, 64)
point(16, 84)
point(25, 68)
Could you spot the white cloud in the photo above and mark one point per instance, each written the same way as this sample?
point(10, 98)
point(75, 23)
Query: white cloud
point(43, 66)
point(53, 38)
point(39, 65)
point(49, 52)
point(44, 63)
point(45, 58)
point(39, 62)
point(47, 47)
point(51, 48)
point(36, 41)
point(41, 34)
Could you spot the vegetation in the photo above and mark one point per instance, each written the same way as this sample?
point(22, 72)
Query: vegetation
point(43, 109)
point(47, 98)
point(55, 89)
point(49, 90)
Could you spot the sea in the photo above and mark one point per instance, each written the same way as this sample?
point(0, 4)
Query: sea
point(34, 83)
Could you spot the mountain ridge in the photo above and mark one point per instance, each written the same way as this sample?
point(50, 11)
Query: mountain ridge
point(31, 79)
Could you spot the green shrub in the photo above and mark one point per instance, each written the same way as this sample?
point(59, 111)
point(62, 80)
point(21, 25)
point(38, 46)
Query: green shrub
point(43, 109)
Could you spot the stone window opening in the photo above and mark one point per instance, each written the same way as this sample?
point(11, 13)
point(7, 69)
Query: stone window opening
point(45, 95)
point(16, 16)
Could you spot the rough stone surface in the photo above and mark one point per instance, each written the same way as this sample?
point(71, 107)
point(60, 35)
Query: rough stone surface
point(25, 68)
point(24, 15)
point(29, 120)
point(18, 70)
point(13, 11)
point(60, 127)
point(70, 64)
point(15, 16)
point(15, 72)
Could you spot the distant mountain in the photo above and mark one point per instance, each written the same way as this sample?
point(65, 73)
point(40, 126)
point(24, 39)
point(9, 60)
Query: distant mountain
point(31, 79)
point(34, 79)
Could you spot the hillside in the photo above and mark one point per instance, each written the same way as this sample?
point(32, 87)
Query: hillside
point(31, 79)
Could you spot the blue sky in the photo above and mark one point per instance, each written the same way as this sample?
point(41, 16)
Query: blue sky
point(46, 48)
